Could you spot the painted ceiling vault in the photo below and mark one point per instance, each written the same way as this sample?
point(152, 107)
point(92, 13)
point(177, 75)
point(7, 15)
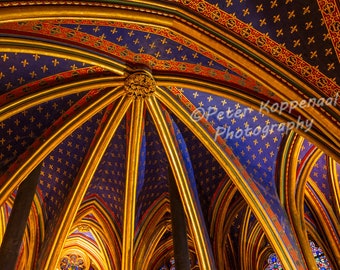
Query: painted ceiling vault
point(238, 100)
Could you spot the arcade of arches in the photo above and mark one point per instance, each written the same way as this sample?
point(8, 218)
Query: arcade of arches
point(184, 134)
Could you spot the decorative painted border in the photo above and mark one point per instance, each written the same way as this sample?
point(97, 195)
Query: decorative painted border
point(263, 42)
point(57, 32)
point(273, 216)
point(22, 158)
point(166, 33)
point(47, 82)
point(309, 73)
point(331, 15)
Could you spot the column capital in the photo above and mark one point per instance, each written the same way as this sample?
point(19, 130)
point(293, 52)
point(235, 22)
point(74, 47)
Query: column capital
point(140, 84)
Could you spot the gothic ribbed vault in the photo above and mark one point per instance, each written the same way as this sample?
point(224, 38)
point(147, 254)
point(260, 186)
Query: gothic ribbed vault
point(237, 100)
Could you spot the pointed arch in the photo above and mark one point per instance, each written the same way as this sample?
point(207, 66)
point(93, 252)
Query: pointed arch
point(190, 202)
point(24, 44)
point(335, 186)
point(219, 221)
point(262, 260)
point(150, 231)
point(82, 181)
point(315, 235)
point(103, 224)
point(288, 85)
point(329, 224)
point(289, 186)
point(48, 141)
point(231, 261)
point(14, 106)
point(33, 235)
point(224, 155)
point(255, 63)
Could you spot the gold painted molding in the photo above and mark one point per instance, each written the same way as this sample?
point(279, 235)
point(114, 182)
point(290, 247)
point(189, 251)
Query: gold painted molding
point(291, 188)
point(99, 144)
point(314, 136)
point(194, 218)
point(153, 226)
point(244, 62)
point(25, 45)
point(244, 252)
point(291, 150)
point(136, 126)
point(303, 179)
point(154, 241)
point(104, 226)
point(256, 238)
point(320, 241)
point(33, 99)
point(220, 219)
point(334, 185)
point(228, 222)
point(235, 174)
point(330, 235)
point(71, 124)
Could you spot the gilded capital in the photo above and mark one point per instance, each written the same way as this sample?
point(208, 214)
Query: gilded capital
point(139, 84)
point(83, 228)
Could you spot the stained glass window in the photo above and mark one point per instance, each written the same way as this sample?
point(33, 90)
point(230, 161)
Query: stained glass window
point(274, 262)
point(320, 259)
point(170, 265)
point(72, 262)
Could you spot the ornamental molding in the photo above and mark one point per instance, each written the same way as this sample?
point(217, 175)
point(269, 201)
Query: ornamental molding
point(140, 84)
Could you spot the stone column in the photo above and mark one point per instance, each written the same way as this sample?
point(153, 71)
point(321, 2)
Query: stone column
point(179, 228)
point(11, 243)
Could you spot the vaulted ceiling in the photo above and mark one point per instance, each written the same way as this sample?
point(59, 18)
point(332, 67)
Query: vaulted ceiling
point(110, 96)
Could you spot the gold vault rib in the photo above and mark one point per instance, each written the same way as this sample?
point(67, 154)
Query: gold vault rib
point(235, 175)
point(81, 183)
point(267, 71)
point(233, 56)
point(335, 187)
point(30, 100)
point(22, 45)
point(53, 141)
point(133, 156)
point(293, 189)
point(195, 221)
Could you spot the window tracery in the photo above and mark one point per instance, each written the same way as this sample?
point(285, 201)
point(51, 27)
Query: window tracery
point(319, 256)
point(72, 262)
point(274, 262)
point(170, 265)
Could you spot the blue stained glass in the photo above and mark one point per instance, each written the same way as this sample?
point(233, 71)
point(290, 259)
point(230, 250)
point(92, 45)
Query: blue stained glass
point(72, 262)
point(320, 259)
point(170, 264)
point(273, 262)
